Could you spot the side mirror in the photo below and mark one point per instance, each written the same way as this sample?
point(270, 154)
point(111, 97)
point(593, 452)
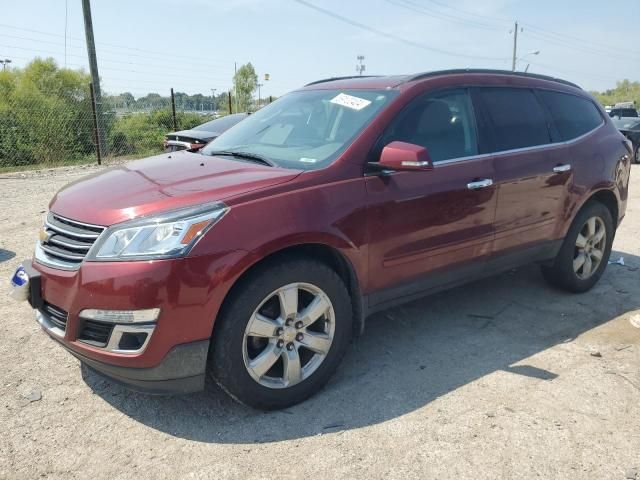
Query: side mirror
point(405, 156)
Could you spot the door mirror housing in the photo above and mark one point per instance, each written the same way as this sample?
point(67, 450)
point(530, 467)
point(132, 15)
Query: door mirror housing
point(403, 156)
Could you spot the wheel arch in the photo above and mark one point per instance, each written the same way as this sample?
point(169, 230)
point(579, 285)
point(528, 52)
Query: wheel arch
point(327, 254)
point(609, 200)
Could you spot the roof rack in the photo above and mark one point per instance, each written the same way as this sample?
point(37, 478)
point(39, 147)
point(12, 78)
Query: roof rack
point(489, 71)
point(324, 80)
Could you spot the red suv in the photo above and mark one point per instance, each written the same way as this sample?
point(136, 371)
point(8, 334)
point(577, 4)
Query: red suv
point(256, 260)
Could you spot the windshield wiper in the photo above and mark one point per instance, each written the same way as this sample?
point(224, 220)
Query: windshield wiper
point(254, 157)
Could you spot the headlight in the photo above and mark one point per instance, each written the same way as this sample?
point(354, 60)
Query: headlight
point(168, 235)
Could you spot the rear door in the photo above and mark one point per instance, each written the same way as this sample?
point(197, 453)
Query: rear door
point(533, 176)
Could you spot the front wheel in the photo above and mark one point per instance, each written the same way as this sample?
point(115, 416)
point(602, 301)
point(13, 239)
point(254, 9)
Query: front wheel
point(585, 251)
point(282, 334)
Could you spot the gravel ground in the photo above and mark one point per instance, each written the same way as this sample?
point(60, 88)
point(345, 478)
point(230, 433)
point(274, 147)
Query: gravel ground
point(503, 378)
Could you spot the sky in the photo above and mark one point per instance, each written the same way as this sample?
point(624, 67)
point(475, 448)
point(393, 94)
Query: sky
point(191, 45)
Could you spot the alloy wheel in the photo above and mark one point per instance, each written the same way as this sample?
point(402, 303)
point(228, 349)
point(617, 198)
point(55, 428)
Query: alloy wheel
point(289, 335)
point(589, 248)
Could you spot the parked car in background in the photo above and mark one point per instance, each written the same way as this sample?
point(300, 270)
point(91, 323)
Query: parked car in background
point(256, 260)
point(630, 128)
point(623, 112)
point(623, 109)
point(198, 137)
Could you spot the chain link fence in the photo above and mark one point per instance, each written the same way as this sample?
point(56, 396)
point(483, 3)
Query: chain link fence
point(45, 126)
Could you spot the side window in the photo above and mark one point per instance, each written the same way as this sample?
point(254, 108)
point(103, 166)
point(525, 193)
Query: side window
point(442, 122)
point(516, 118)
point(572, 115)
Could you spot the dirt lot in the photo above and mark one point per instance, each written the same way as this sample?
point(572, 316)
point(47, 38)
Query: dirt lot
point(503, 378)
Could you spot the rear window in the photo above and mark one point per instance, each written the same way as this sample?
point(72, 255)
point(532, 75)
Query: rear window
point(573, 116)
point(221, 124)
point(626, 123)
point(516, 118)
point(623, 112)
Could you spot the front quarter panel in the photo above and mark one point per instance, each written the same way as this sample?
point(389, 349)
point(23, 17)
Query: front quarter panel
point(313, 212)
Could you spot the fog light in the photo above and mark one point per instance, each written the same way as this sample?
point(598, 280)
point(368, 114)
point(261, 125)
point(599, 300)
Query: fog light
point(121, 316)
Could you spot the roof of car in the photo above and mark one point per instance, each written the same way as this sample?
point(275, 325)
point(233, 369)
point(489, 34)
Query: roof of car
point(391, 81)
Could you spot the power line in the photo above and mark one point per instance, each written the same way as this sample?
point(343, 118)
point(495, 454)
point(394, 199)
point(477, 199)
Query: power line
point(120, 47)
point(391, 36)
point(473, 14)
point(559, 35)
point(588, 51)
point(111, 52)
point(579, 41)
point(573, 72)
point(118, 62)
point(417, 8)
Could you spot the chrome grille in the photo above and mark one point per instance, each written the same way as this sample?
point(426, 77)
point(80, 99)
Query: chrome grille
point(68, 240)
point(56, 315)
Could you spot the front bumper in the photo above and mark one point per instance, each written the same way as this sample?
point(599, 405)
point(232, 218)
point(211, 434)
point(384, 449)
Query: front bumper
point(188, 292)
point(181, 371)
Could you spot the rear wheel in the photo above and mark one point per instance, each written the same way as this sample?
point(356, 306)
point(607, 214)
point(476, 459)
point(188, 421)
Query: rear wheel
point(282, 334)
point(585, 251)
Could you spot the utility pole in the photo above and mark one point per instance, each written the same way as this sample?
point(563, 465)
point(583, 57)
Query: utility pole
point(259, 85)
point(213, 99)
point(173, 111)
point(515, 47)
point(360, 67)
point(235, 83)
point(66, 16)
point(93, 68)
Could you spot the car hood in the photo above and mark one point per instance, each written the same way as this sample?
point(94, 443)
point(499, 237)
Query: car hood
point(195, 134)
point(162, 183)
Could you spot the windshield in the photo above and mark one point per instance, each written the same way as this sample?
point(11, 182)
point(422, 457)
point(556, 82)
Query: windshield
point(307, 129)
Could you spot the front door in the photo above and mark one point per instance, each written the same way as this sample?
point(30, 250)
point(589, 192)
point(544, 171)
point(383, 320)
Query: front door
point(426, 222)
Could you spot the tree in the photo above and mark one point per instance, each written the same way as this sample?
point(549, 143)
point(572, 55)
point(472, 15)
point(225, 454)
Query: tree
point(625, 91)
point(245, 82)
point(45, 114)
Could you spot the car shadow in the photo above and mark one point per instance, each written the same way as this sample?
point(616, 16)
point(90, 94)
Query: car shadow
point(408, 357)
point(6, 255)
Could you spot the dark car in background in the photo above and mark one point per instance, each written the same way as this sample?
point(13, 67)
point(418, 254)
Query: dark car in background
point(623, 112)
point(630, 128)
point(199, 136)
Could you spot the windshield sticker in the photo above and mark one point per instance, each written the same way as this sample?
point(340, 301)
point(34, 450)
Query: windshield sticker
point(308, 160)
point(349, 101)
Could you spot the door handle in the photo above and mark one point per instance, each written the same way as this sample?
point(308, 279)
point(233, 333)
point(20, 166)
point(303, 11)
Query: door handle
point(561, 168)
point(478, 184)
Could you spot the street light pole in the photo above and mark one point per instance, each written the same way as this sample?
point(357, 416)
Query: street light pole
point(360, 67)
point(535, 52)
point(213, 99)
point(515, 47)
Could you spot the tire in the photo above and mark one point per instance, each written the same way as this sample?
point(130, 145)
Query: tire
point(562, 273)
point(237, 359)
